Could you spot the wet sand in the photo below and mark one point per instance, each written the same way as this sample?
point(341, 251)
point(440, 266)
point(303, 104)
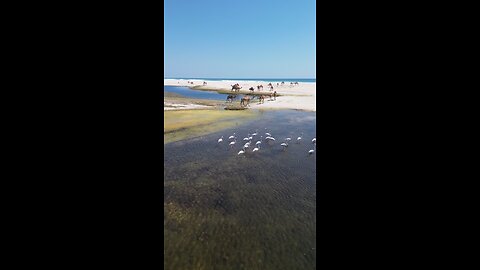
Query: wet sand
point(186, 124)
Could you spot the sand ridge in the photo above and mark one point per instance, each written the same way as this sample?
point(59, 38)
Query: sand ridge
point(299, 97)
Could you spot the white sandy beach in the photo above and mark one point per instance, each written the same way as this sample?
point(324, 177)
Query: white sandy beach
point(299, 97)
point(170, 106)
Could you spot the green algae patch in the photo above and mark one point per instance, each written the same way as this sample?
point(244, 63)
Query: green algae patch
point(167, 94)
point(186, 124)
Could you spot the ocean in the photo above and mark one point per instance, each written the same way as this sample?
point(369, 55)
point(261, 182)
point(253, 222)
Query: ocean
point(249, 79)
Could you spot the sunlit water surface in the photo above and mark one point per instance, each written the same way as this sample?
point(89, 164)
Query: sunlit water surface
point(187, 92)
point(257, 211)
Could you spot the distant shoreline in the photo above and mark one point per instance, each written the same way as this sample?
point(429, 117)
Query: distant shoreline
point(297, 97)
point(250, 79)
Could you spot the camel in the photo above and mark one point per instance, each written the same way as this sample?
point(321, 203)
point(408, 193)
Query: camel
point(245, 101)
point(230, 98)
point(236, 87)
point(261, 99)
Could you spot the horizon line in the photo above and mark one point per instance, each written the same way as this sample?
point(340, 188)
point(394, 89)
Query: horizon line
point(236, 78)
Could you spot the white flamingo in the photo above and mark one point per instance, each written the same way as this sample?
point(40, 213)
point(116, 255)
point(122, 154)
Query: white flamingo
point(258, 143)
point(256, 149)
point(268, 134)
point(232, 144)
point(314, 140)
point(285, 145)
point(220, 140)
point(311, 151)
point(288, 139)
point(241, 152)
point(232, 137)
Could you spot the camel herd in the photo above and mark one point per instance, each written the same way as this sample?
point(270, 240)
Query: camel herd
point(236, 87)
point(245, 100)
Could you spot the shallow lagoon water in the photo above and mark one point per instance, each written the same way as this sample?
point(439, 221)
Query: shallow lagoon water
point(224, 211)
point(185, 91)
point(201, 94)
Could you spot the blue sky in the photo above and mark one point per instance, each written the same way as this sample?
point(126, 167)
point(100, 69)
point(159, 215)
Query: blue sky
point(240, 39)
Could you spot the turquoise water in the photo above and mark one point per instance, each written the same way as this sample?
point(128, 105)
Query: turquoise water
point(187, 92)
point(286, 80)
point(200, 94)
point(253, 211)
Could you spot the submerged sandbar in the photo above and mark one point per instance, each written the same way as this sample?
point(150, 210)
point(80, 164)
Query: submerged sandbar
point(186, 124)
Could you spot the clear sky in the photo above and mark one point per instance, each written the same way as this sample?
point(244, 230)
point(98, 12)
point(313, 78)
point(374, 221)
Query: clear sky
point(240, 38)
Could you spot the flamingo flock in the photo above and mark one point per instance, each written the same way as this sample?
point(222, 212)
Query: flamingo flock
point(269, 138)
